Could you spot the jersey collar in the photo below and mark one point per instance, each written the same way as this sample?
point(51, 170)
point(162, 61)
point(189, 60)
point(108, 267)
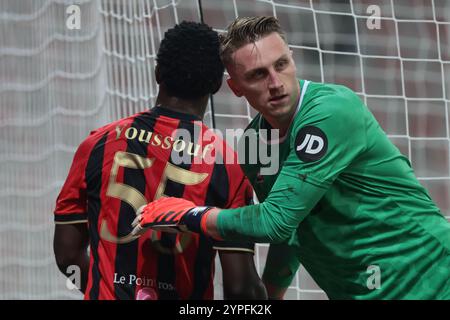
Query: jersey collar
point(161, 111)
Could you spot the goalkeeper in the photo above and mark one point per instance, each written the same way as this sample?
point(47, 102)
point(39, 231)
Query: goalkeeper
point(345, 202)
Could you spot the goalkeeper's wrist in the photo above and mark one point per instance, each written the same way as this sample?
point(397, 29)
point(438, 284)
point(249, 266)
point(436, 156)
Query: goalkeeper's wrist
point(195, 219)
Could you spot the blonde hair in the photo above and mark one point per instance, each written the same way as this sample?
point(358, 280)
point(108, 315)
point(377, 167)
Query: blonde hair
point(247, 30)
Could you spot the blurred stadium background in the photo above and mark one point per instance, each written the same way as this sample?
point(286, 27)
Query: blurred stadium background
point(56, 84)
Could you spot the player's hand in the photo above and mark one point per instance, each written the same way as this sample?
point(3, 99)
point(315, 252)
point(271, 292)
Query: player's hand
point(169, 215)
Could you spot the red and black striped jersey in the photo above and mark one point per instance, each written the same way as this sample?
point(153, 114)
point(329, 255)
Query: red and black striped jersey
point(130, 162)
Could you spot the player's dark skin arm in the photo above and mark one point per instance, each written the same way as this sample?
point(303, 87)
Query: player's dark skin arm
point(240, 279)
point(70, 245)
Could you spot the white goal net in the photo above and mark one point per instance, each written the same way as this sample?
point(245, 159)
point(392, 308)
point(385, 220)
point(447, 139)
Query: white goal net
point(61, 77)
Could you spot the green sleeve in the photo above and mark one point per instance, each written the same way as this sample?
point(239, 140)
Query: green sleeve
point(301, 184)
point(275, 219)
point(281, 265)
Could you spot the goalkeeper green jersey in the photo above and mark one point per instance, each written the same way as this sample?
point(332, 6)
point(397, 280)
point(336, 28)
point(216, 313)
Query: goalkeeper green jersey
point(346, 204)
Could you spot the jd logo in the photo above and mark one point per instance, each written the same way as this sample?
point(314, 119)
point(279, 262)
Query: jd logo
point(311, 148)
point(311, 144)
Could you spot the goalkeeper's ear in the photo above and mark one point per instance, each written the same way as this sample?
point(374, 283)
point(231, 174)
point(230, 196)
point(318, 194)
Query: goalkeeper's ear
point(234, 88)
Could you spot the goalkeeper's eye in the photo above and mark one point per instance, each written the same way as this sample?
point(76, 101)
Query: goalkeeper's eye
point(257, 74)
point(281, 64)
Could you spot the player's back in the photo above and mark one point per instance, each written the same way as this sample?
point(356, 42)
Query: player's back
point(131, 162)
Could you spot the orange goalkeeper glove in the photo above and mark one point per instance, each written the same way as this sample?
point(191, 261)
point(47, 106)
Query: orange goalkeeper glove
point(170, 215)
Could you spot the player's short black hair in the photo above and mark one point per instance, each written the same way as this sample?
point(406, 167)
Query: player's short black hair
point(188, 59)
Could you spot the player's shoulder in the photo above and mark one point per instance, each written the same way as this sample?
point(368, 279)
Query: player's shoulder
point(328, 110)
point(100, 132)
point(330, 94)
point(325, 99)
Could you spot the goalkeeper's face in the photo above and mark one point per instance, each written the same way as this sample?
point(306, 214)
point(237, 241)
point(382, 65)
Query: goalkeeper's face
point(265, 74)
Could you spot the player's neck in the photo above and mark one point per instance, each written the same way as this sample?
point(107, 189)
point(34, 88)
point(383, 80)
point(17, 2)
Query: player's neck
point(195, 107)
point(283, 123)
point(282, 126)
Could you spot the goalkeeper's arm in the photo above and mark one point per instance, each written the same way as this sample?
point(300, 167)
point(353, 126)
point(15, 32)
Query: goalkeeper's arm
point(272, 221)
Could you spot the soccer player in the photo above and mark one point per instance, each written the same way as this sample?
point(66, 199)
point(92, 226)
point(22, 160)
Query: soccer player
point(345, 202)
point(127, 163)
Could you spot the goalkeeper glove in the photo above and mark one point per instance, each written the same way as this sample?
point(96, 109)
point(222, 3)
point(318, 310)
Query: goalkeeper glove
point(170, 215)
